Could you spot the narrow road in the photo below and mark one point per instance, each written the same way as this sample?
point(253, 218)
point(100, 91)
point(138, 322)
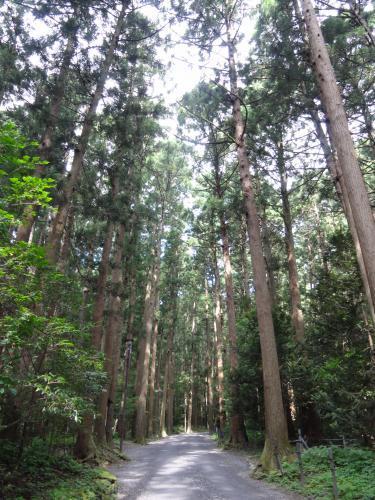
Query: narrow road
point(188, 467)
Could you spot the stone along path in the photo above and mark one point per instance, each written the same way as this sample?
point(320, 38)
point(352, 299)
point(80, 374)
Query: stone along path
point(188, 467)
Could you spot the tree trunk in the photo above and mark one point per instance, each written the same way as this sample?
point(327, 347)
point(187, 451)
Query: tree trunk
point(110, 340)
point(209, 385)
point(163, 406)
point(151, 400)
point(268, 259)
point(244, 265)
point(170, 394)
point(81, 147)
point(238, 432)
point(342, 142)
point(85, 446)
point(219, 343)
point(191, 396)
point(148, 318)
point(342, 194)
point(168, 373)
point(45, 146)
point(275, 422)
point(127, 358)
point(297, 314)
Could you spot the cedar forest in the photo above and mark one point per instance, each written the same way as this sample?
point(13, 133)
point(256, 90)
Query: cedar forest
point(216, 272)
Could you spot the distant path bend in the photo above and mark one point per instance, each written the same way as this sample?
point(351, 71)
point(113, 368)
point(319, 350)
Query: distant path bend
point(188, 467)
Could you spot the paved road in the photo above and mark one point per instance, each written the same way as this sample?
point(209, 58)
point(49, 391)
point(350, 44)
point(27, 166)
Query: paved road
point(188, 467)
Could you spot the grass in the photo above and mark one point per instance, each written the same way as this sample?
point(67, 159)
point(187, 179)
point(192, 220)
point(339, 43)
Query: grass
point(355, 472)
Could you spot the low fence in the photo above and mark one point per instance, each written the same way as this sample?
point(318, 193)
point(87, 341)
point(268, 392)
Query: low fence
point(302, 445)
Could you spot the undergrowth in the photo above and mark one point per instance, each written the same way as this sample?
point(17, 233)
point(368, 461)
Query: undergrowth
point(355, 472)
point(42, 475)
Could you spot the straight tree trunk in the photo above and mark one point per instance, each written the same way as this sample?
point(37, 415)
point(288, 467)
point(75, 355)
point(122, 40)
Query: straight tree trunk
point(168, 373)
point(81, 147)
point(127, 358)
point(219, 342)
point(45, 146)
point(85, 446)
point(209, 385)
point(297, 314)
point(238, 432)
point(148, 318)
point(342, 142)
point(170, 394)
point(163, 405)
point(275, 422)
point(151, 401)
point(110, 340)
point(191, 395)
point(244, 265)
point(265, 235)
point(335, 171)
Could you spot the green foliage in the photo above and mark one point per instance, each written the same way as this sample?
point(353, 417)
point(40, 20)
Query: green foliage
point(355, 468)
point(41, 348)
point(50, 475)
point(18, 187)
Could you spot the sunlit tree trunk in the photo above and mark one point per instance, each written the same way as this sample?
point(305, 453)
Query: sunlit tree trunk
point(170, 394)
point(238, 433)
point(244, 264)
point(208, 363)
point(168, 371)
point(342, 194)
point(342, 141)
point(275, 422)
point(218, 340)
point(151, 400)
point(45, 146)
point(148, 319)
point(59, 221)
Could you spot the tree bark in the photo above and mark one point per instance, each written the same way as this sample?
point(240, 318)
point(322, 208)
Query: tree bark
point(191, 395)
point(209, 365)
point(151, 400)
point(336, 174)
point(85, 446)
point(45, 145)
point(148, 318)
point(111, 340)
point(244, 265)
point(275, 421)
point(297, 314)
point(127, 359)
point(170, 394)
point(168, 372)
point(218, 342)
point(342, 142)
point(81, 147)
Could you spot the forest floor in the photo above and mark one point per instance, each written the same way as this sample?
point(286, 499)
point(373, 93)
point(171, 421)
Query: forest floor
point(189, 467)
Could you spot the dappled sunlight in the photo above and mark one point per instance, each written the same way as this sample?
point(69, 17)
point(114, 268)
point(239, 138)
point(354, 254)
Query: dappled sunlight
point(187, 467)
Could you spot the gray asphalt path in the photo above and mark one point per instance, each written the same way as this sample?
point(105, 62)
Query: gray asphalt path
point(188, 467)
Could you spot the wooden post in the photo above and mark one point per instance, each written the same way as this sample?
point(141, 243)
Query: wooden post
point(335, 490)
point(300, 464)
point(278, 462)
